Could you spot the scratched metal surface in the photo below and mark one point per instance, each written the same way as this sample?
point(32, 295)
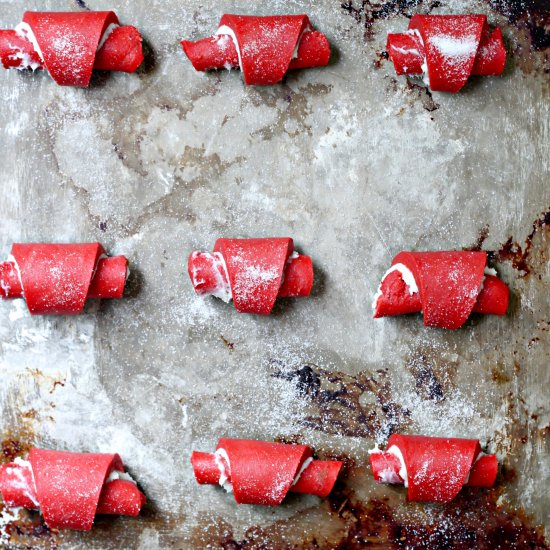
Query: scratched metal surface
point(356, 165)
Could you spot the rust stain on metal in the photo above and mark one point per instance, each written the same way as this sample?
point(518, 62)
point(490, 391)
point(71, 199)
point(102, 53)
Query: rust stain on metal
point(229, 345)
point(17, 444)
point(27, 531)
point(380, 58)
point(481, 238)
point(352, 405)
point(499, 374)
point(424, 95)
point(525, 257)
point(530, 15)
point(474, 520)
point(367, 12)
point(431, 374)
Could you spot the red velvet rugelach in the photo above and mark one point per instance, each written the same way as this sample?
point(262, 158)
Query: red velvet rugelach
point(436, 468)
point(262, 472)
point(449, 47)
point(57, 279)
point(70, 45)
point(265, 49)
point(451, 285)
point(69, 489)
point(253, 272)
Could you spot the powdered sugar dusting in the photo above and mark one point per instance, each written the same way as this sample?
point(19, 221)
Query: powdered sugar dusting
point(455, 48)
point(345, 159)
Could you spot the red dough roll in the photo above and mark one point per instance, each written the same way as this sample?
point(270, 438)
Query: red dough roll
point(264, 48)
point(71, 44)
point(69, 489)
point(57, 279)
point(433, 469)
point(448, 49)
point(252, 272)
point(446, 286)
point(260, 472)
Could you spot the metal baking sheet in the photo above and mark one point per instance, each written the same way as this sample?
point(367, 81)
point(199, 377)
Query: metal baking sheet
point(355, 164)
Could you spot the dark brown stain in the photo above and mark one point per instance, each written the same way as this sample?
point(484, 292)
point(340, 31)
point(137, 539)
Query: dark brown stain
point(520, 255)
point(229, 345)
point(427, 380)
point(81, 4)
point(415, 91)
point(367, 12)
point(57, 383)
point(499, 374)
point(28, 531)
point(17, 444)
point(424, 95)
point(342, 404)
point(380, 58)
point(533, 341)
point(481, 238)
point(473, 520)
point(530, 15)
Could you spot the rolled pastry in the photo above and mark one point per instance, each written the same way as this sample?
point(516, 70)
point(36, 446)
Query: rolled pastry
point(260, 472)
point(69, 489)
point(447, 49)
point(252, 272)
point(264, 48)
point(71, 44)
point(57, 279)
point(434, 469)
point(446, 286)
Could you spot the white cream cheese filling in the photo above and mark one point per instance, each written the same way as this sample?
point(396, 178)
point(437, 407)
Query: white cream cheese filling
point(487, 271)
point(18, 271)
point(24, 31)
point(396, 451)
point(25, 464)
point(224, 292)
point(477, 458)
point(224, 474)
point(224, 30)
point(297, 47)
point(223, 287)
point(406, 275)
point(304, 467)
point(26, 62)
point(106, 34)
point(117, 474)
point(424, 66)
point(389, 476)
point(227, 31)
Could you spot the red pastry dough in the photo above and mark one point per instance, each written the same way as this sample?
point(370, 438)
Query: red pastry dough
point(446, 286)
point(434, 469)
point(71, 45)
point(449, 48)
point(265, 48)
point(254, 272)
point(260, 472)
point(57, 279)
point(70, 488)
